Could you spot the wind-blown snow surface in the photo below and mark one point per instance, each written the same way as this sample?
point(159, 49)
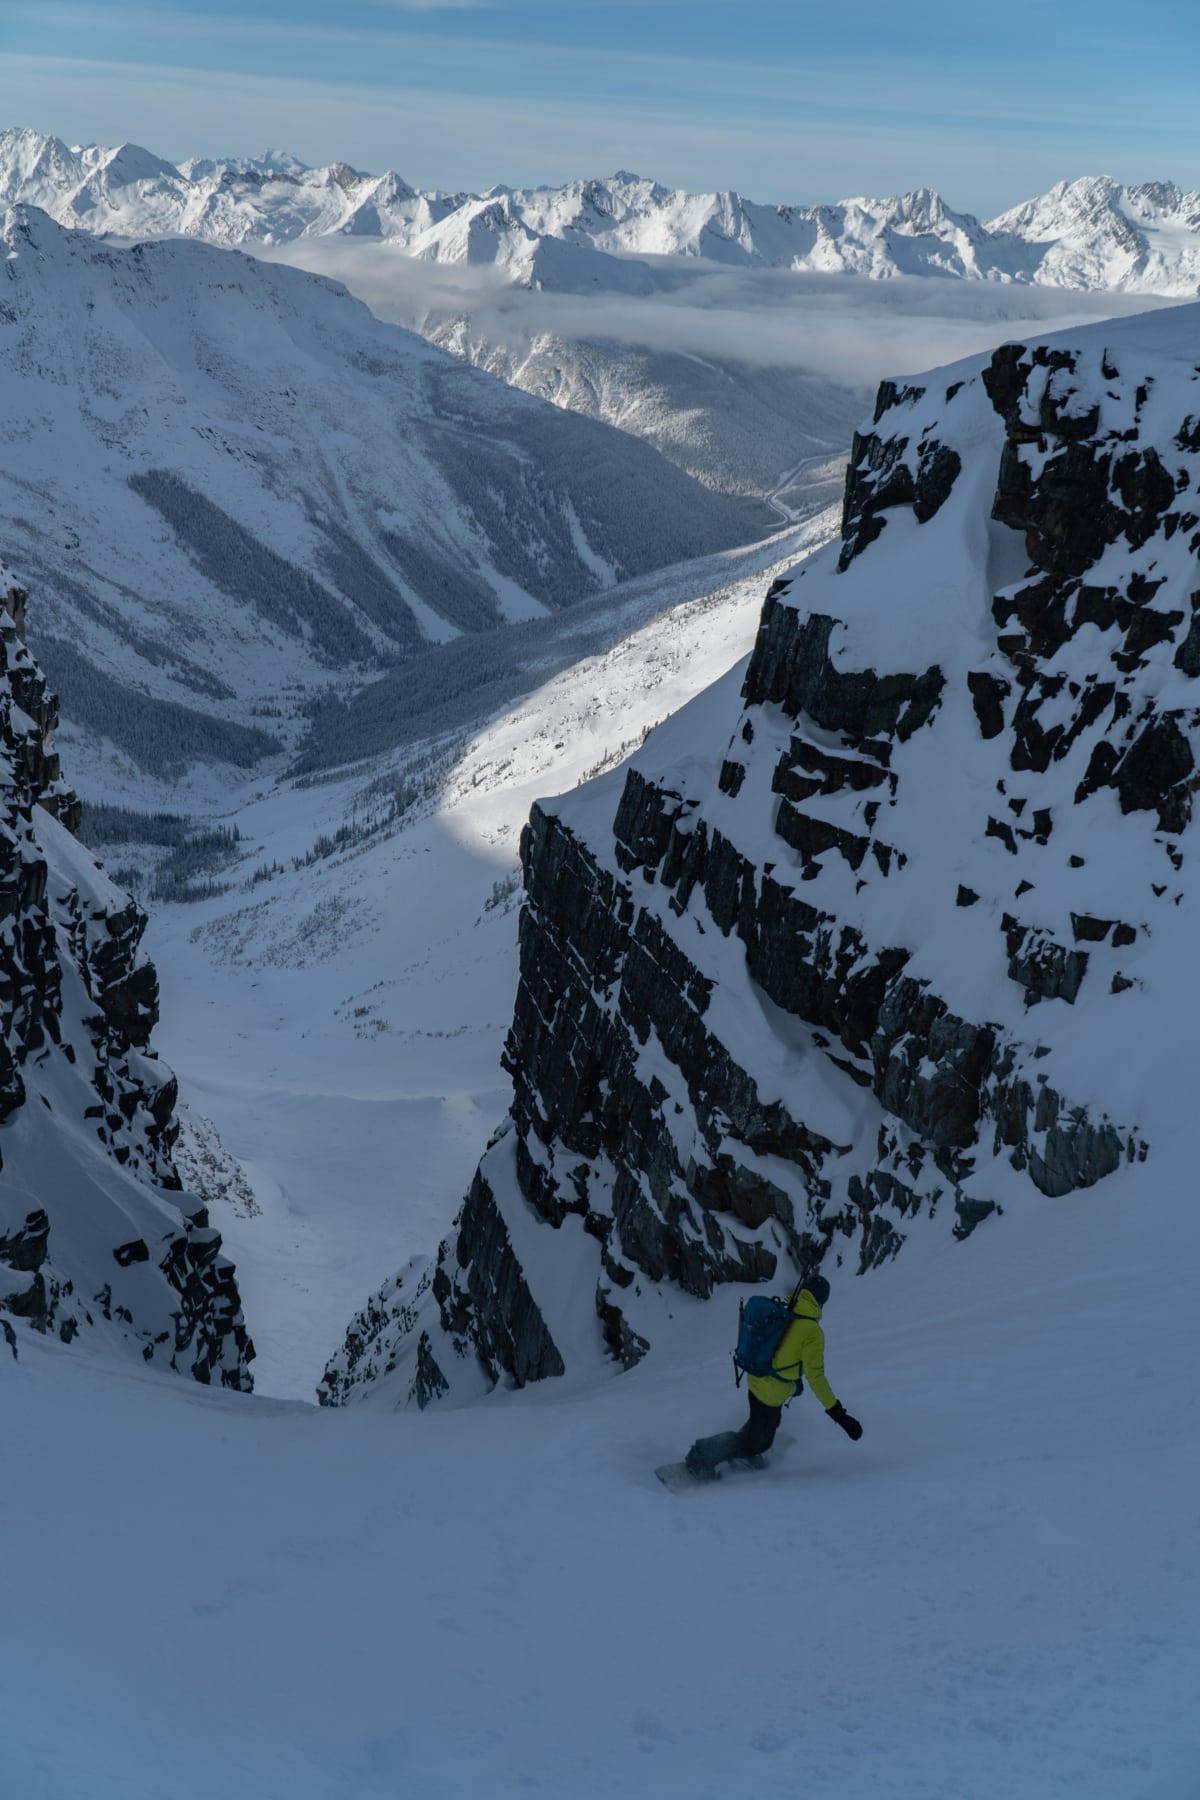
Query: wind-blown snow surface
point(994, 1594)
point(341, 1023)
point(228, 485)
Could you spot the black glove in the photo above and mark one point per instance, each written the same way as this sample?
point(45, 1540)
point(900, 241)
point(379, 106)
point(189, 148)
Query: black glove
point(840, 1416)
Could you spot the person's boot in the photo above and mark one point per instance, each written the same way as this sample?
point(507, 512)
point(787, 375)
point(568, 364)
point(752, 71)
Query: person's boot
point(744, 1456)
point(706, 1453)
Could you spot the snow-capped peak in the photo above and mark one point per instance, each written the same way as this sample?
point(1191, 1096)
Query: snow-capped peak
point(271, 162)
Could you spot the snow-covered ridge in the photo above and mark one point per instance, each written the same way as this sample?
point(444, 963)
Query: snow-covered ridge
point(1092, 233)
point(896, 930)
point(96, 1239)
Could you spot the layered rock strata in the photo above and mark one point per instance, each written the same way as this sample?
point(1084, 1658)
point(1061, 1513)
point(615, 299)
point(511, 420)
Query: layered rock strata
point(859, 938)
point(96, 1235)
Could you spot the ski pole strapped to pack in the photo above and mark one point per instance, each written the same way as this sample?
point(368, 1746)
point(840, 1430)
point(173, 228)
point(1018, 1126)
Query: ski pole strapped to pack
point(761, 1325)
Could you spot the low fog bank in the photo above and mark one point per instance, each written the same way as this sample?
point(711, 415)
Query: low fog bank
point(844, 327)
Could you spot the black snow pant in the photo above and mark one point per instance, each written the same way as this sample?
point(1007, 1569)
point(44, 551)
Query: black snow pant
point(756, 1435)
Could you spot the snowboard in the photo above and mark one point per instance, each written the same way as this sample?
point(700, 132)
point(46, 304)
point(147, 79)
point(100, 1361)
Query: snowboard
point(677, 1477)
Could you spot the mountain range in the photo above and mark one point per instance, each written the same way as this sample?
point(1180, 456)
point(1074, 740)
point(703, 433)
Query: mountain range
point(612, 234)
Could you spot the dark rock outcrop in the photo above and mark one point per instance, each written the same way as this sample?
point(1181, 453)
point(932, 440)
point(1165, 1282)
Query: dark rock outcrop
point(86, 1109)
point(782, 997)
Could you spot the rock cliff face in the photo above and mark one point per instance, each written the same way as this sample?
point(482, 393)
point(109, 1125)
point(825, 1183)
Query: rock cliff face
point(879, 935)
point(95, 1235)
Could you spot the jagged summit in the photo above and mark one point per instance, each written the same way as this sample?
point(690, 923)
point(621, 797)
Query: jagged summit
point(1091, 197)
point(491, 233)
point(889, 931)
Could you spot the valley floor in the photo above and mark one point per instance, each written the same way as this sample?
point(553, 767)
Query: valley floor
point(995, 1594)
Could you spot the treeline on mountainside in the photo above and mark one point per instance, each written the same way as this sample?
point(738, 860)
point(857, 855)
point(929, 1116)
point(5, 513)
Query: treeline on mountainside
point(352, 570)
point(193, 852)
point(78, 600)
point(559, 491)
point(384, 803)
point(250, 573)
point(445, 582)
point(447, 687)
point(161, 736)
point(202, 855)
point(428, 695)
point(104, 825)
point(452, 686)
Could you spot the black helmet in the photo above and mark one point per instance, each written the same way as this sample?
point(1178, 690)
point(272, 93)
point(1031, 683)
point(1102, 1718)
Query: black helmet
point(818, 1287)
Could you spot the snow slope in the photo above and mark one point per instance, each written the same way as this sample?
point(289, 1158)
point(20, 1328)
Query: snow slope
point(995, 1593)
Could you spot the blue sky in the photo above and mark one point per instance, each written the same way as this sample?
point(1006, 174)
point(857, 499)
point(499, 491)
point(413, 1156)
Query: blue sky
point(783, 99)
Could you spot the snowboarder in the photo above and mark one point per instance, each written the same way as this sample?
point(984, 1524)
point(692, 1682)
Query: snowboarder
point(801, 1354)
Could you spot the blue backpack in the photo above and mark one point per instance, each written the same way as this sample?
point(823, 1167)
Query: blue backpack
point(761, 1324)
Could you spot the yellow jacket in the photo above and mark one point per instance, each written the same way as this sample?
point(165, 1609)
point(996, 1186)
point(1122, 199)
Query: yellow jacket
point(801, 1352)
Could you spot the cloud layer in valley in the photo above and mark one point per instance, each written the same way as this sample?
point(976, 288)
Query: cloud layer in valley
point(842, 326)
